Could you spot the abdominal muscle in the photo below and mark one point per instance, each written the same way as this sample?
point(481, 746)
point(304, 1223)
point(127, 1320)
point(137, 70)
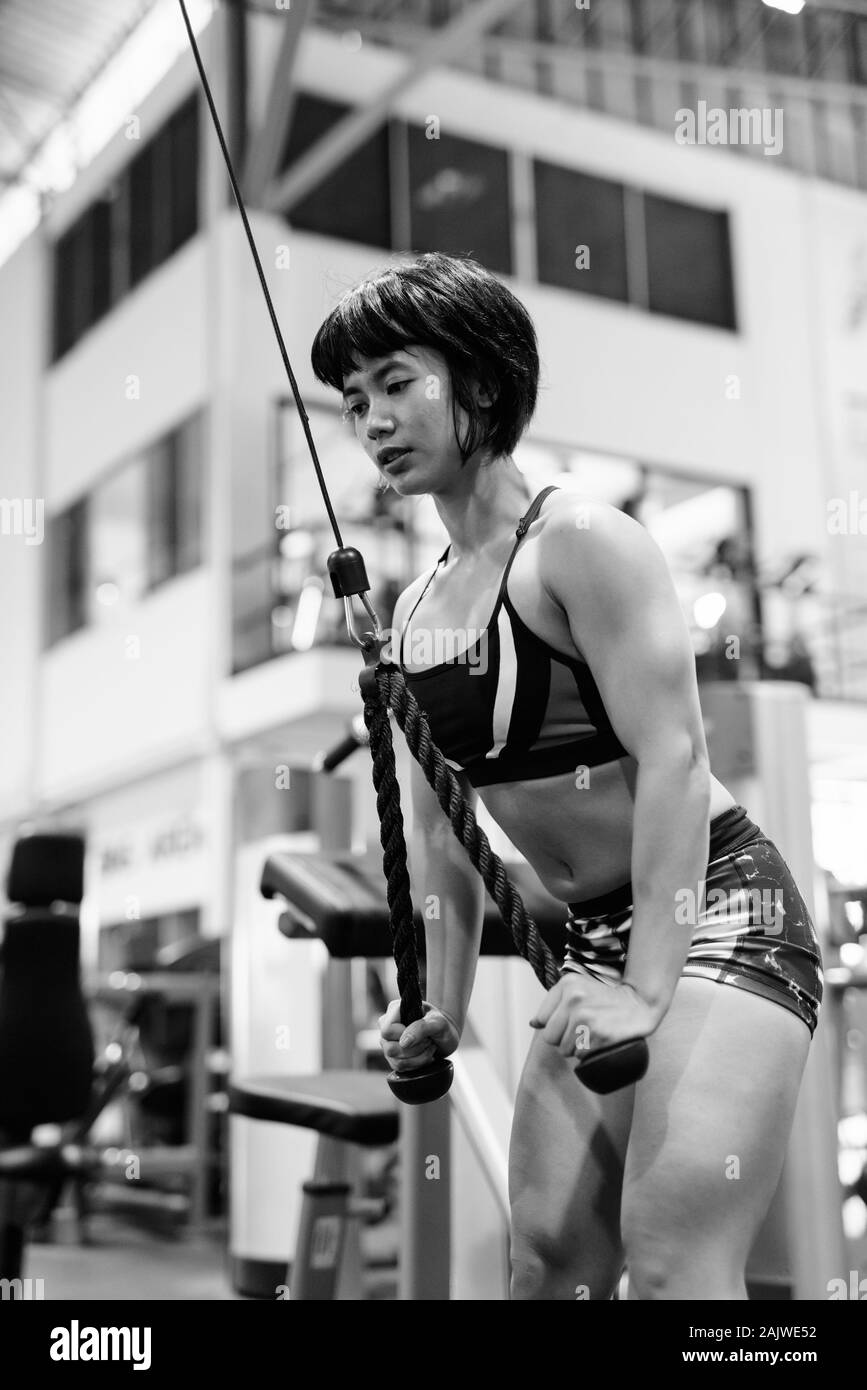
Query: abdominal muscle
point(577, 839)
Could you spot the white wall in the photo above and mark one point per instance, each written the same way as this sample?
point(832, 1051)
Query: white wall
point(159, 335)
point(836, 271)
point(109, 715)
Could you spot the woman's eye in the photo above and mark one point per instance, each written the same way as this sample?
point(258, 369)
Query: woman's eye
point(359, 406)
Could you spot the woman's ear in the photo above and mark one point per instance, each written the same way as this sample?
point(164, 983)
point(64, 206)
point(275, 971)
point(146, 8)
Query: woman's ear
point(486, 393)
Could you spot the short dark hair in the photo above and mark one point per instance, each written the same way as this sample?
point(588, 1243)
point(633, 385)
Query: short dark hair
point(455, 305)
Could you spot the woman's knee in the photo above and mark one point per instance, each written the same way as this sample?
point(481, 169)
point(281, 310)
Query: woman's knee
point(668, 1275)
point(539, 1275)
point(666, 1264)
point(555, 1264)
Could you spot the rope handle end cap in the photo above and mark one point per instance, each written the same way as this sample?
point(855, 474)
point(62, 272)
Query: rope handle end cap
point(608, 1069)
point(426, 1084)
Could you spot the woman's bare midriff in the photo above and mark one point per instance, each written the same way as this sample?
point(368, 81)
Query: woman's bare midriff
point(577, 839)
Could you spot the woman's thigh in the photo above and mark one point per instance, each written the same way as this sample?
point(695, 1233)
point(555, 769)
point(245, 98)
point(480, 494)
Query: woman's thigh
point(711, 1123)
point(565, 1175)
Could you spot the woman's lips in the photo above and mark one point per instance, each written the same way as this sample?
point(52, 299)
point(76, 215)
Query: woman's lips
point(398, 458)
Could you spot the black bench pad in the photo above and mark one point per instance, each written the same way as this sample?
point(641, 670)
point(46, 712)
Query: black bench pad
point(355, 1106)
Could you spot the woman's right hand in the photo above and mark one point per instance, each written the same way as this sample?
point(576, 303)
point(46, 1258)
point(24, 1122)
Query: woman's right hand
point(434, 1035)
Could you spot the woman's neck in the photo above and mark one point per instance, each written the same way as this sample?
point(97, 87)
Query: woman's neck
point(487, 501)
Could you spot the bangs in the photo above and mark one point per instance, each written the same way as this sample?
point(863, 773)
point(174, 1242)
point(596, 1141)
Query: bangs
point(372, 320)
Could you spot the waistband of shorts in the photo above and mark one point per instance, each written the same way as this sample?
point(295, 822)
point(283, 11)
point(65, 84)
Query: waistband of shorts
point(730, 830)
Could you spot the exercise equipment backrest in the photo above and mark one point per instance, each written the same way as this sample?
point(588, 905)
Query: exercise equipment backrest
point(46, 1043)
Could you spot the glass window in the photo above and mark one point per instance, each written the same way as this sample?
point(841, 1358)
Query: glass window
point(614, 25)
point(141, 525)
point(83, 262)
point(190, 471)
point(575, 211)
point(67, 572)
point(282, 598)
point(689, 272)
point(858, 42)
point(67, 290)
point(162, 213)
point(184, 174)
point(304, 606)
point(783, 40)
point(654, 27)
point(118, 540)
point(135, 224)
point(162, 512)
point(720, 31)
point(703, 529)
point(116, 239)
point(100, 218)
point(830, 46)
point(354, 200)
point(459, 198)
point(174, 503)
point(842, 139)
point(748, 22)
point(689, 31)
point(142, 195)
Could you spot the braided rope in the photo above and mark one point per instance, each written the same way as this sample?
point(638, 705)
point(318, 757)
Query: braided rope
point(393, 853)
point(390, 691)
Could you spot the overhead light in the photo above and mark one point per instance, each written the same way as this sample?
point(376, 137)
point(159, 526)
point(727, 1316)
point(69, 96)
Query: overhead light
point(708, 610)
point(789, 6)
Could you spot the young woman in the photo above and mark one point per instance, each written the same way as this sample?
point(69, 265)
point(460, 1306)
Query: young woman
point(571, 708)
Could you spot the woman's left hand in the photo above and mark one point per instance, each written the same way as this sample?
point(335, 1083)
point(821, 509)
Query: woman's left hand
point(604, 1013)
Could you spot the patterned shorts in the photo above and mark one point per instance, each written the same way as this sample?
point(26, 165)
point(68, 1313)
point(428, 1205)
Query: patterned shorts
point(754, 930)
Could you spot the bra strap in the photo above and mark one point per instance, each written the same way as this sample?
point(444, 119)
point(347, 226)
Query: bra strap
point(533, 510)
point(526, 521)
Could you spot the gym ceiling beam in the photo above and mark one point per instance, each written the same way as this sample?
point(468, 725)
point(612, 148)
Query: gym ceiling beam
point(270, 140)
point(345, 137)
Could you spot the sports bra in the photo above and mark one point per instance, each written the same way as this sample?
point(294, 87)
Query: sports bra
point(510, 707)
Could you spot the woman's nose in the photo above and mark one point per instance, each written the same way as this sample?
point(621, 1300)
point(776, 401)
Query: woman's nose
point(379, 420)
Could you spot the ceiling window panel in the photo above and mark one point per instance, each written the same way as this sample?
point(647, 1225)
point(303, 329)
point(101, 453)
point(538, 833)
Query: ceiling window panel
point(580, 231)
point(459, 198)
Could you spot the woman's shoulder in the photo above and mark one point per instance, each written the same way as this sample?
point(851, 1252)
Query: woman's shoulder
point(588, 541)
point(567, 506)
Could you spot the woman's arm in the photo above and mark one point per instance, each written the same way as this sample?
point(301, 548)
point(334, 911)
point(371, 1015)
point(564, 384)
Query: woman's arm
point(450, 895)
point(611, 579)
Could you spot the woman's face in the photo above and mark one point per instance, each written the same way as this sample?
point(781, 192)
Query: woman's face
point(403, 401)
